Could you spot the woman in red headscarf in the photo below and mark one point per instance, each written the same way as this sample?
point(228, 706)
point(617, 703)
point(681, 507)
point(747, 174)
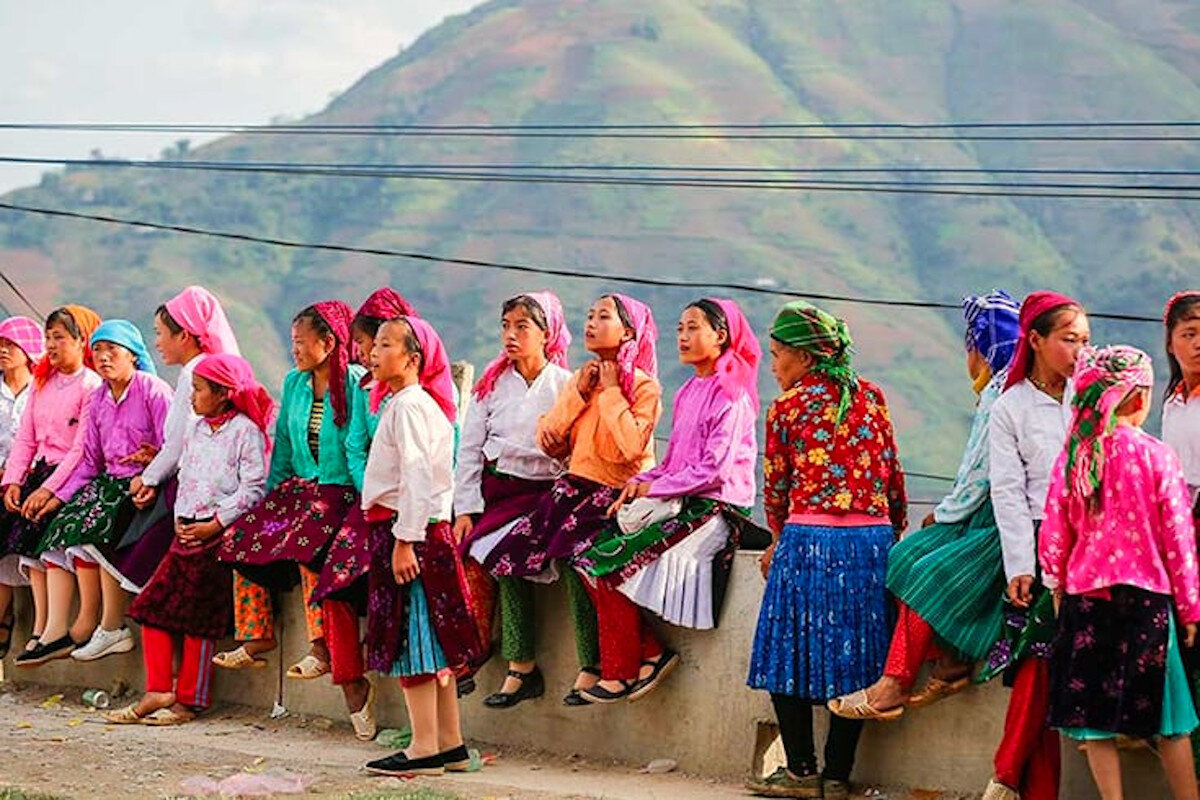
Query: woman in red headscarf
point(311, 485)
point(1026, 432)
point(222, 474)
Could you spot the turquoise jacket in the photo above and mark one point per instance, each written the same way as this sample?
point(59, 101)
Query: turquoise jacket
point(342, 451)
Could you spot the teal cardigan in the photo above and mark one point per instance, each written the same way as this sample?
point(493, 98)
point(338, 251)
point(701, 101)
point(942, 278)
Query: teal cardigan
point(342, 451)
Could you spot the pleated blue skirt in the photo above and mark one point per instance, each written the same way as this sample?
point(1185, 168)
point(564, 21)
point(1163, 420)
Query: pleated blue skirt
point(422, 655)
point(825, 621)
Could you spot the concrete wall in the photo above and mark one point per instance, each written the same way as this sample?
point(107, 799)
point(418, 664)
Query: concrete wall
point(703, 716)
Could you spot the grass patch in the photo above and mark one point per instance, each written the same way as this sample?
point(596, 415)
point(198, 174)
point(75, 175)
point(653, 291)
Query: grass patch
point(12, 793)
point(417, 793)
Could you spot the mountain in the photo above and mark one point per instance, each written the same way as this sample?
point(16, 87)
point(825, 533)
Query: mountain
point(682, 61)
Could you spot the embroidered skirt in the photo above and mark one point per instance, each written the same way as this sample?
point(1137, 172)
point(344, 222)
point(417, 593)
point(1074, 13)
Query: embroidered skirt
point(824, 623)
point(390, 606)
point(293, 524)
point(98, 514)
point(343, 575)
point(564, 524)
point(505, 498)
point(191, 593)
point(143, 545)
point(19, 536)
point(952, 576)
point(1115, 667)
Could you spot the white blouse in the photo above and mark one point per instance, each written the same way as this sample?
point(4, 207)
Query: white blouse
point(222, 472)
point(410, 469)
point(1181, 430)
point(11, 406)
point(503, 428)
point(180, 419)
point(1026, 432)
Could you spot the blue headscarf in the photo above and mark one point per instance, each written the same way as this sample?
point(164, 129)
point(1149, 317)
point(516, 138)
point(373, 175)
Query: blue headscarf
point(126, 334)
point(993, 327)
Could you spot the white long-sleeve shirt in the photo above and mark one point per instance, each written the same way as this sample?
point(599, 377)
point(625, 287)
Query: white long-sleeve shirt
point(410, 469)
point(1026, 432)
point(503, 428)
point(222, 473)
point(1181, 430)
point(180, 418)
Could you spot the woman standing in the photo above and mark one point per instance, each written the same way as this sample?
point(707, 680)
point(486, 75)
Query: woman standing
point(835, 501)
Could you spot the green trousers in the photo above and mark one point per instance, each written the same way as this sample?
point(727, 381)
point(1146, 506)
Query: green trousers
point(517, 620)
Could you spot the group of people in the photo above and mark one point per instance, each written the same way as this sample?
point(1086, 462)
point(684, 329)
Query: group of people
point(1064, 557)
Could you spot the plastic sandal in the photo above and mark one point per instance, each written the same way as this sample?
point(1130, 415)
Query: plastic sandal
point(238, 659)
point(937, 689)
point(856, 706)
point(308, 668)
point(165, 717)
point(125, 716)
point(363, 720)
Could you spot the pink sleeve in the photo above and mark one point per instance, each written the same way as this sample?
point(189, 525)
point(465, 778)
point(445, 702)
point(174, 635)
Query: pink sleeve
point(1178, 536)
point(20, 457)
point(1056, 535)
point(712, 470)
point(63, 472)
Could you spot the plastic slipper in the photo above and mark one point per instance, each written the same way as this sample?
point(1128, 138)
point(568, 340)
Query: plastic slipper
point(308, 668)
point(165, 717)
point(125, 716)
point(856, 706)
point(363, 720)
point(937, 689)
point(238, 659)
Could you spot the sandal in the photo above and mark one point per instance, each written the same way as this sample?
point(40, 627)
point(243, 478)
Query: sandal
point(937, 689)
point(125, 716)
point(6, 628)
point(664, 666)
point(238, 659)
point(308, 668)
point(856, 706)
point(573, 698)
point(165, 717)
point(601, 696)
point(363, 720)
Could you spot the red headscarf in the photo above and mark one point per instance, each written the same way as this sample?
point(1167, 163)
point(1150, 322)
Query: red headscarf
point(245, 393)
point(87, 321)
point(1034, 306)
point(638, 352)
point(435, 376)
point(558, 340)
point(386, 303)
point(737, 367)
point(337, 316)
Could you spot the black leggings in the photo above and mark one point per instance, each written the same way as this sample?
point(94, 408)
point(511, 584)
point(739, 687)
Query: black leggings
point(796, 729)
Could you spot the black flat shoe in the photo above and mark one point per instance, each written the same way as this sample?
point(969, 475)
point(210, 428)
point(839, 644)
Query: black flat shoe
point(399, 765)
point(532, 685)
point(465, 686)
point(457, 759)
point(601, 696)
point(666, 664)
point(46, 651)
point(573, 698)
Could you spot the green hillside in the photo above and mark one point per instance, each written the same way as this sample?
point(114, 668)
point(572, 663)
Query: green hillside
point(682, 61)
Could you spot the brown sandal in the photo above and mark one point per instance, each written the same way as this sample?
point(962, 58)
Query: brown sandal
point(125, 716)
point(856, 706)
point(937, 689)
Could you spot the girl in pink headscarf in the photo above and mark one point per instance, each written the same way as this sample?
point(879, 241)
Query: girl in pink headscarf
point(222, 474)
point(503, 474)
point(603, 421)
point(678, 524)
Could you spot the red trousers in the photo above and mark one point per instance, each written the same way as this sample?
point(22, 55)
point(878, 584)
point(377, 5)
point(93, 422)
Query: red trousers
point(1028, 756)
point(625, 639)
point(193, 686)
point(342, 638)
point(912, 646)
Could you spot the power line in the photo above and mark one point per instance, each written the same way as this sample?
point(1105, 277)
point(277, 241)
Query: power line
point(4, 277)
point(510, 266)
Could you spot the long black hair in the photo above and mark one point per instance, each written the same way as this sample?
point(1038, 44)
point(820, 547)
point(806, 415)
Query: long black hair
point(1183, 309)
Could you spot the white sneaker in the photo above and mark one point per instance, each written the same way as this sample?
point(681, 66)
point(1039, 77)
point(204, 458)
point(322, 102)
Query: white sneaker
point(105, 643)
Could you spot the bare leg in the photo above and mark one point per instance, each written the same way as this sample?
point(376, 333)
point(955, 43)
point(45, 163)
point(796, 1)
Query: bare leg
point(887, 693)
point(422, 703)
point(90, 595)
point(1176, 755)
point(114, 600)
point(1106, 768)
point(60, 594)
point(512, 684)
point(153, 701)
point(449, 729)
point(355, 693)
point(319, 650)
point(37, 583)
point(256, 647)
point(6, 596)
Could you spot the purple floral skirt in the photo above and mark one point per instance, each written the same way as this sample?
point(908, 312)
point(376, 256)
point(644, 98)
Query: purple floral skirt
point(343, 575)
point(293, 524)
point(1108, 662)
point(504, 499)
point(145, 541)
point(387, 601)
point(191, 593)
point(562, 525)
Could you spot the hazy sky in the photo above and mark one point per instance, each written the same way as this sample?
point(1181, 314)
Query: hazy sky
point(202, 61)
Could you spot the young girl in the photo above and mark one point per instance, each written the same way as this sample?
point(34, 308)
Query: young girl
point(1025, 434)
point(46, 450)
point(502, 473)
point(418, 626)
point(222, 474)
point(310, 487)
point(948, 577)
point(603, 420)
point(341, 588)
point(835, 501)
point(1118, 546)
point(668, 565)
point(125, 417)
point(21, 344)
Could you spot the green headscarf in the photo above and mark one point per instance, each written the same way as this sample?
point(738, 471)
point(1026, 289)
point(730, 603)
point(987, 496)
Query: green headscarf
point(803, 325)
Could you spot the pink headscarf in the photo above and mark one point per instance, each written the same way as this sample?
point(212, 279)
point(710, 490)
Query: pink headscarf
point(435, 376)
point(558, 340)
point(737, 367)
point(638, 352)
point(245, 393)
point(25, 334)
point(1034, 306)
point(337, 316)
point(199, 313)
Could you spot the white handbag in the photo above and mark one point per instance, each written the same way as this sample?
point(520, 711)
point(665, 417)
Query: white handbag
point(645, 511)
